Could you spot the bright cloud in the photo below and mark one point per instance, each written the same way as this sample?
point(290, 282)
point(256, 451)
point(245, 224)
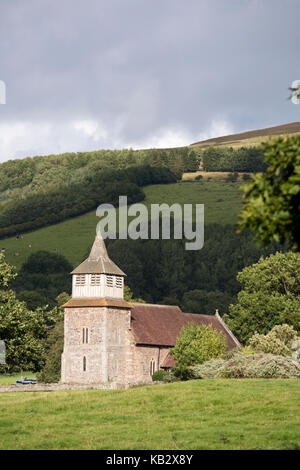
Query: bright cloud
point(21, 139)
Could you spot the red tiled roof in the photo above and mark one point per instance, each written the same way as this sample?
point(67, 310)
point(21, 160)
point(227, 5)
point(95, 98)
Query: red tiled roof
point(159, 325)
point(168, 362)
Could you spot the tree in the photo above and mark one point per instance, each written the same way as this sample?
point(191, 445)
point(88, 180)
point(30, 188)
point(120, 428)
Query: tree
point(128, 296)
point(54, 348)
point(42, 277)
point(197, 344)
point(277, 341)
point(21, 329)
point(271, 200)
point(270, 296)
point(201, 301)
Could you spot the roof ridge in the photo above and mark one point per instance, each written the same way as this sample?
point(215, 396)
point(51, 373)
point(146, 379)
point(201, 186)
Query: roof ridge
point(202, 314)
point(155, 305)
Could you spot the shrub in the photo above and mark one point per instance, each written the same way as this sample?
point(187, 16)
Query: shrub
point(208, 370)
point(261, 366)
point(277, 341)
point(232, 176)
point(160, 376)
point(182, 372)
point(254, 366)
point(197, 344)
point(171, 377)
point(198, 178)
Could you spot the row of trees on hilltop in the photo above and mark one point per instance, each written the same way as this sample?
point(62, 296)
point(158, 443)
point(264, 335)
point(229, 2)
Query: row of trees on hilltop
point(32, 174)
point(228, 159)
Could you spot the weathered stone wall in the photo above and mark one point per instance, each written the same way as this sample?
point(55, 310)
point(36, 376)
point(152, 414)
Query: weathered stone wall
point(140, 357)
point(59, 386)
point(105, 351)
point(111, 354)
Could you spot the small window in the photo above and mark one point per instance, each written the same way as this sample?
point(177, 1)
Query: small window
point(85, 335)
point(152, 367)
point(119, 282)
point(95, 279)
point(109, 281)
point(84, 363)
point(80, 280)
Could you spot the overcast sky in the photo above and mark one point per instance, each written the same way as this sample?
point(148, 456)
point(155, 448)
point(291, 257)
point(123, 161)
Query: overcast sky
point(91, 74)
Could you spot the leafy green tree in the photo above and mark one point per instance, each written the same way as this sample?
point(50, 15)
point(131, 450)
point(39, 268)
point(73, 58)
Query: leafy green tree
point(201, 301)
point(53, 351)
point(197, 344)
point(128, 296)
point(228, 159)
point(271, 206)
point(277, 341)
point(62, 298)
point(21, 329)
point(191, 161)
point(42, 277)
point(33, 299)
point(270, 296)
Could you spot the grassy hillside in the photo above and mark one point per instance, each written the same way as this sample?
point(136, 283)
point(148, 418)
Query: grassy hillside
point(73, 237)
point(203, 414)
point(249, 138)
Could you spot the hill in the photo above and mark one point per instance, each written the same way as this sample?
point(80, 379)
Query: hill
point(73, 237)
point(200, 414)
point(249, 138)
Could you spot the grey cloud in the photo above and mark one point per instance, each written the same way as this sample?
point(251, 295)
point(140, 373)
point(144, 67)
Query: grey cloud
point(139, 69)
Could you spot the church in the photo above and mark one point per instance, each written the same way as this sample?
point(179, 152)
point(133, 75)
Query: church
point(109, 340)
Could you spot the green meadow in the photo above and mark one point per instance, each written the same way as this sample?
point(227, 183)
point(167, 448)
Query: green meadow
point(72, 238)
point(8, 379)
point(203, 414)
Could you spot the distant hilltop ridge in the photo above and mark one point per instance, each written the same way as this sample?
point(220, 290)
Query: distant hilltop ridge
point(250, 138)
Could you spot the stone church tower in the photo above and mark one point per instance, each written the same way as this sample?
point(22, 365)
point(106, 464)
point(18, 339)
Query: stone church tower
point(97, 322)
point(107, 340)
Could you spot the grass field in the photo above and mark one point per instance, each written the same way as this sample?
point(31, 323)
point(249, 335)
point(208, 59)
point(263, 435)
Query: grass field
point(8, 379)
point(73, 237)
point(203, 414)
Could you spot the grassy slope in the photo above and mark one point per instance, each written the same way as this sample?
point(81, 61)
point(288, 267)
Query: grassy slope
point(203, 414)
point(250, 138)
point(73, 237)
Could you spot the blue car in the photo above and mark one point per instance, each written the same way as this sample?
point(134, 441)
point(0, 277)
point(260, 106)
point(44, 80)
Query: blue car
point(25, 381)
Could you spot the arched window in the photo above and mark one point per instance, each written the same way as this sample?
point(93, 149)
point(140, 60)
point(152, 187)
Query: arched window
point(84, 363)
point(152, 367)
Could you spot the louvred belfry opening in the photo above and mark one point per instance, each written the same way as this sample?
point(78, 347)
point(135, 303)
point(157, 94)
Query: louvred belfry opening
point(98, 276)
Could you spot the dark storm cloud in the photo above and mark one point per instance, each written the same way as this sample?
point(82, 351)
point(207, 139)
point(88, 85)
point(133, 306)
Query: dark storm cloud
point(94, 73)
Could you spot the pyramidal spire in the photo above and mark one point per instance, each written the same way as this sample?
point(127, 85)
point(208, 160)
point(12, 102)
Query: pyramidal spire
point(98, 261)
point(98, 249)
